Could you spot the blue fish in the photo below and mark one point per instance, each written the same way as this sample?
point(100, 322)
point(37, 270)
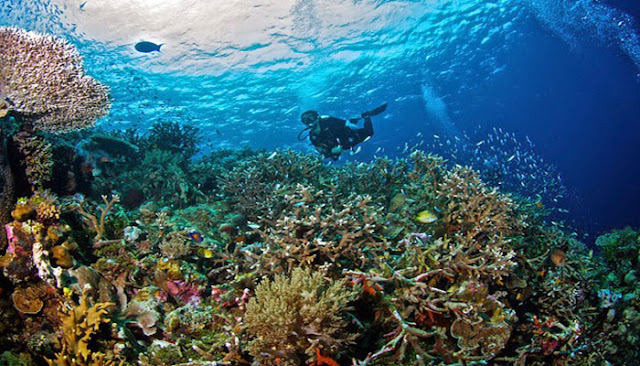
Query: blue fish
point(147, 47)
point(196, 236)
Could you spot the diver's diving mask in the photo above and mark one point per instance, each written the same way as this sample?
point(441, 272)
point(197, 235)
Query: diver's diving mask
point(309, 117)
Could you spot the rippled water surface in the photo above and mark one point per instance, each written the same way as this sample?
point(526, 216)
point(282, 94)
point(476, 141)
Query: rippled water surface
point(561, 72)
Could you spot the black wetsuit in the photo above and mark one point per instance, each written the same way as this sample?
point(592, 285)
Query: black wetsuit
point(334, 132)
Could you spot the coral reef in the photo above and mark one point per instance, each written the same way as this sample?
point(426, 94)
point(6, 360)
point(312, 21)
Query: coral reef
point(174, 137)
point(294, 316)
point(7, 189)
point(43, 82)
point(277, 259)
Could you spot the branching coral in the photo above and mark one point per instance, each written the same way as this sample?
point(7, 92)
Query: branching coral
point(79, 326)
point(252, 185)
point(437, 284)
point(96, 222)
point(175, 245)
point(292, 317)
point(36, 159)
point(473, 210)
point(174, 137)
point(43, 81)
point(316, 228)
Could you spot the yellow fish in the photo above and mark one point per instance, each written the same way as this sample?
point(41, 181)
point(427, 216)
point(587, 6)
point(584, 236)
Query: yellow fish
point(426, 217)
point(205, 252)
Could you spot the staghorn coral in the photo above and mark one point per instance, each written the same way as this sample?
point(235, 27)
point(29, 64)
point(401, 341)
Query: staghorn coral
point(475, 211)
point(174, 137)
point(293, 316)
point(95, 221)
point(379, 179)
point(250, 187)
point(43, 81)
point(79, 326)
point(435, 284)
point(317, 228)
point(484, 331)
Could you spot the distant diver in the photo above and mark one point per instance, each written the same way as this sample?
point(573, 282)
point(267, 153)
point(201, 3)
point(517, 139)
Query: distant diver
point(147, 47)
point(331, 135)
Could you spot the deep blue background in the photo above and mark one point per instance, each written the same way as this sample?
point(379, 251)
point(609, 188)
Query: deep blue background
point(582, 108)
point(631, 7)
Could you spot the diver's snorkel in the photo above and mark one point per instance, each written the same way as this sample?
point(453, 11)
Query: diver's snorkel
point(301, 132)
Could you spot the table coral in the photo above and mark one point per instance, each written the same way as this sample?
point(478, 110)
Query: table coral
point(43, 78)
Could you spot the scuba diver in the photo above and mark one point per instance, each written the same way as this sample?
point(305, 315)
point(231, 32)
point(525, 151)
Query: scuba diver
point(331, 135)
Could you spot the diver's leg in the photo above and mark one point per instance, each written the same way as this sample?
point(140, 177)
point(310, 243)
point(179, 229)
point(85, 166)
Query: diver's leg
point(368, 127)
point(361, 134)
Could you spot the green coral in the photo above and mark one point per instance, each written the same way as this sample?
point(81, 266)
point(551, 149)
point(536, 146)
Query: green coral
point(293, 316)
point(620, 246)
point(8, 358)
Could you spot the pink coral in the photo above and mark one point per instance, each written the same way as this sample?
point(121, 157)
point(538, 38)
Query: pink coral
point(187, 292)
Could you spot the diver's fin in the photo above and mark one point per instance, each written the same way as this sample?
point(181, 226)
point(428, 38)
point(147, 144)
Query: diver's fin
point(375, 111)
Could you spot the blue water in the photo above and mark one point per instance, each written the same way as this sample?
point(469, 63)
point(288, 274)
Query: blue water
point(561, 74)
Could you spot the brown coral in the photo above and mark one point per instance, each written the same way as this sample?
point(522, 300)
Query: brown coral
point(27, 300)
point(292, 317)
point(175, 245)
point(43, 81)
point(36, 158)
point(490, 338)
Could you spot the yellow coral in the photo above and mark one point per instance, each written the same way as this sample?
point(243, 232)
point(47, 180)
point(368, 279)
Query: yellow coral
point(78, 326)
point(292, 317)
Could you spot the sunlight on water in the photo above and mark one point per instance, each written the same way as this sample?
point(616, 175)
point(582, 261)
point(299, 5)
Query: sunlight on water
point(249, 68)
point(210, 37)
